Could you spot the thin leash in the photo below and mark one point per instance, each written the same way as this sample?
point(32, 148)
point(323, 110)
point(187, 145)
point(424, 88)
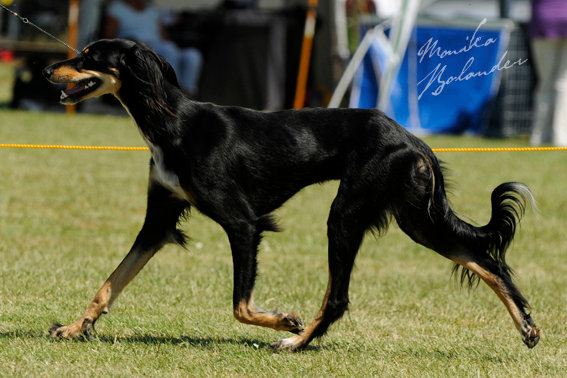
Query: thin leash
point(28, 22)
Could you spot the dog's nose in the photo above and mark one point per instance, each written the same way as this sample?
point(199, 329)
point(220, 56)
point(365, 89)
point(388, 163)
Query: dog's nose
point(47, 72)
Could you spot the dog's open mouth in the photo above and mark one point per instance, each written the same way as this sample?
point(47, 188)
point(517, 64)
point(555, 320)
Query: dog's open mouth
point(79, 90)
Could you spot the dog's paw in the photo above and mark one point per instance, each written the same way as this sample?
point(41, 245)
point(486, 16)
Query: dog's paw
point(530, 332)
point(293, 343)
point(530, 336)
point(293, 323)
point(72, 331)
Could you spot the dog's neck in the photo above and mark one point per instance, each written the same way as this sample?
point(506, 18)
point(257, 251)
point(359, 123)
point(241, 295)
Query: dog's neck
point(155, 118)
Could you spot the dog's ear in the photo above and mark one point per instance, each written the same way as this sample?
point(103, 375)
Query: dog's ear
point(150, 68)
point(147, 65)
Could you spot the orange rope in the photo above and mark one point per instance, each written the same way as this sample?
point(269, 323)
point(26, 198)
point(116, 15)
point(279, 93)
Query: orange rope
point(61, 147)
point(498, 149)
point(118, 148)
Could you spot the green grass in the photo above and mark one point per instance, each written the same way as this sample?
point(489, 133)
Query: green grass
point(6, 82)
point(68, 217)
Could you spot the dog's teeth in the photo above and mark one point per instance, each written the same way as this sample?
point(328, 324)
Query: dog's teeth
point(63, 95)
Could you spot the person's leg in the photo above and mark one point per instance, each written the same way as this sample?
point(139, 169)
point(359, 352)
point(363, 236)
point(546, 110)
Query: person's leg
point(544, 62)
point(560, 113)
point(190, 71)
point(171, 53)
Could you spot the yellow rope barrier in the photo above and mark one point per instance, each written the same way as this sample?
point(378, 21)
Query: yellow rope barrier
point(63, 147)
point(498, 149)
point(119, 148)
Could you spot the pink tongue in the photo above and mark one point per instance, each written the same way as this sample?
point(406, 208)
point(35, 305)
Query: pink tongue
point(75, 89)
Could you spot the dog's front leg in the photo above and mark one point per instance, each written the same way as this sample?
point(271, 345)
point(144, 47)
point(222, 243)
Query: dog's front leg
point(128, 268)
point(159, 228)
point(244, 240)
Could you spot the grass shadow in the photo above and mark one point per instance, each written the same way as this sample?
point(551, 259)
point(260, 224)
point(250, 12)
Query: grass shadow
point(147, 339)
point(195, 341)
point(190, 341)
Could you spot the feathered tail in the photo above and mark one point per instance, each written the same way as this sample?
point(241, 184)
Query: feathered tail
point(509, 201)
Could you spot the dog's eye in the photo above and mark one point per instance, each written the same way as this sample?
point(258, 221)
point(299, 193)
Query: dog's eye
point(89, 60)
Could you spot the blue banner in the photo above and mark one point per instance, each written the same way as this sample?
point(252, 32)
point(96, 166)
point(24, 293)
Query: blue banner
point(446, 82)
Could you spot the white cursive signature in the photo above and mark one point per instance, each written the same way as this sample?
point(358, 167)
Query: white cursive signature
point(437, 78)
point(430, 48)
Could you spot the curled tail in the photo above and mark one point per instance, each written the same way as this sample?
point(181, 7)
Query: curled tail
point(509, 201)
point(424, 213)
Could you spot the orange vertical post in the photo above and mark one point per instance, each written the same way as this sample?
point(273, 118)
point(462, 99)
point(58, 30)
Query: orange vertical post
point(305, 59)
point(73, 38)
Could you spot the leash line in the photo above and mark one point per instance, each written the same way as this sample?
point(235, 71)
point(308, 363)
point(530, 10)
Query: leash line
point(122, 148)
point(27, 21)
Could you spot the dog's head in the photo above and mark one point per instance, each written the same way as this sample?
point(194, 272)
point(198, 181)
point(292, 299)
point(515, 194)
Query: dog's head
point(106, 66)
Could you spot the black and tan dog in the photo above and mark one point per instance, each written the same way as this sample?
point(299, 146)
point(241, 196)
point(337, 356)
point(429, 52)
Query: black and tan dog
point(238, 165)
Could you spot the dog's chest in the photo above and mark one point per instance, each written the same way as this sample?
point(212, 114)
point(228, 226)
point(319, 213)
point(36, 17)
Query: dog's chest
point(165, 176)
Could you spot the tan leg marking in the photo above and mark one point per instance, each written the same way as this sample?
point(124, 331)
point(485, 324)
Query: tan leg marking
point(495, 284)
point(124, 273)
point(300, 340)
point(523, 322)
point(248, 313)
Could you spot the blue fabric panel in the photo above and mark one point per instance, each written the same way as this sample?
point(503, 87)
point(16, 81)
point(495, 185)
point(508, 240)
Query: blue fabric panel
point(449, 74)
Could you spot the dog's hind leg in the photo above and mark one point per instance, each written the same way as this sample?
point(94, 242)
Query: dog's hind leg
point(428, 220)
point(347, 223)
point(159, 228)
point(244, 237)
point(496, 274)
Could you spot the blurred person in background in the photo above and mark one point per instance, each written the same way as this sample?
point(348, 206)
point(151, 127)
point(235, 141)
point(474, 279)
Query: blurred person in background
point(138, 20)
point(548, 32)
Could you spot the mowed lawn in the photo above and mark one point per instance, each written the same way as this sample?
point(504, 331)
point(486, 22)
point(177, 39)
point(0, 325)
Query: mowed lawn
point(67, 218)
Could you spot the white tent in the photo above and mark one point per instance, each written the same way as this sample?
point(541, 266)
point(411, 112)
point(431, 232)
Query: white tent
point(401, 26)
